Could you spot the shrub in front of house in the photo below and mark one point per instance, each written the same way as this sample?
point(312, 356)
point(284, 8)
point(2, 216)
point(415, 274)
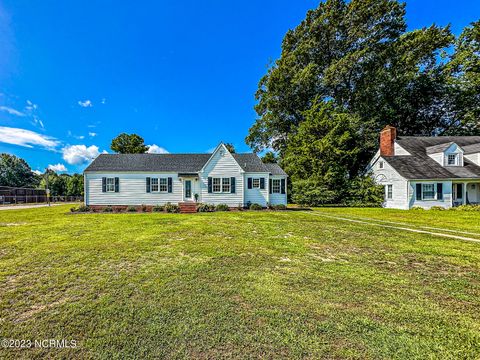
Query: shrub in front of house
point(108, 209)
point(171, 208)
point(467, 208)
point(437, 208)
point(222, 207)
point(417, 208)
point(158, 208)
point(81, 209)
point(256, 207)
point(131, 209)
point(144, 208)
point(280, 207)
point(205, 208)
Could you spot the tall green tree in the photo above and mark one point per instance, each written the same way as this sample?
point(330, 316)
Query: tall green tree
point(230, 147)
point(358, 55)
point(129, 144)
point(75, 185)
point(15, 172)
point(269, 158)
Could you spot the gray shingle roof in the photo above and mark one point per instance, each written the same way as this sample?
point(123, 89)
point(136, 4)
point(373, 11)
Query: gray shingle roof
point(420, 166)
point(182, 163)
point(275, 169)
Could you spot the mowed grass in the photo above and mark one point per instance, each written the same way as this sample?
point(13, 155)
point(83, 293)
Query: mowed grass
point(235, 285)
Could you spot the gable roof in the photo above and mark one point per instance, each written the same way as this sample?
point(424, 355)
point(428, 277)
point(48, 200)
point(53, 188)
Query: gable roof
point(183, 163)
point(419, 165)
point(275, 169)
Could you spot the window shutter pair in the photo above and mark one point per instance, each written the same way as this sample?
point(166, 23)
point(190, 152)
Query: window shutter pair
point(270, 186)
point(210, 185)
point(262, 183)
point(104, 184)
point(148, 185)
point(282, 186)
point(232, 185)
point(249, 183)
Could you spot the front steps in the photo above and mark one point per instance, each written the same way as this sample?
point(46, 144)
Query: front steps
point(187, 207)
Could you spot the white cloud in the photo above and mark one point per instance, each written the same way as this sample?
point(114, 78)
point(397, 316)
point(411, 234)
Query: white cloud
point(25, 138)
point(155, 149)
point(38, 172)
point(92, 134)
point(79, 154)
point(58, 167)
point(85, 104)
point(11, 111)
point(104, 101)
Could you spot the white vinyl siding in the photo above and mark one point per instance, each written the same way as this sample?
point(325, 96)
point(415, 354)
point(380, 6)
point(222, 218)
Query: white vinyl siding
point(255, 195)
point(132, 189)
point(222, 166)
point(388, 176)
point(427, 202)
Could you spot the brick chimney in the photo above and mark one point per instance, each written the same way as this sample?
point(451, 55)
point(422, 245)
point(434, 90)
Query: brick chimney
point(387, 140)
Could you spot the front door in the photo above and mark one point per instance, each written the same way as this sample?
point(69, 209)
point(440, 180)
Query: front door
point(188, 189)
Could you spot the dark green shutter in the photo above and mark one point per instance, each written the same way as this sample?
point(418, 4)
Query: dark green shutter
point(419, 192)
point(262, 183)
point(232, 185)
point(210, 185)
point(249, 182)
point(439, 191)
point(282, 185)
point(147, 185)
point(270, 186)
point(170, 185)
point(117, 185)
point(104, 184)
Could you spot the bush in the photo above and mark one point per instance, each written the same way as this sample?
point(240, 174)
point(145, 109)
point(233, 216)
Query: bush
point(131, 209)
point(222, 207)
point(171, 208)
point(467, 208)
point(144, 208)
point(279, 207)
point(81, 208)
point(311, 193)
point(205, 208)
point(108, 209)
point(437, 208)
point(158, 208)
point(256, 207)
point(417, 208)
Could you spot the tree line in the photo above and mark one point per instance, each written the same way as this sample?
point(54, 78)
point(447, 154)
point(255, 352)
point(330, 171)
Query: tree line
point(15, 172)
point(346, 71)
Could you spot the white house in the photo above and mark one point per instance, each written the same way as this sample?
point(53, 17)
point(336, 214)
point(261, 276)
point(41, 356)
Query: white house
point(155, 179)
point(427, 171)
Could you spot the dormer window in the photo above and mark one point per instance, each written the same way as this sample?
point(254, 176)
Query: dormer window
point(452, 159)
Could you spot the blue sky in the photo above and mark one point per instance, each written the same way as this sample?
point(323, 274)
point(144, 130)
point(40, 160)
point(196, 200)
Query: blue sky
point(182, 74)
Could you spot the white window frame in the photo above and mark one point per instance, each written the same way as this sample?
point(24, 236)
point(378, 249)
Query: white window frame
point(154, 185)
point(276, 186)
point(381, 164)
point(434, 189)
point(217, 184)
point(110, 185)
point(455, 159)
point(257, 180)
point(226, 186)
point(389, 191)
point(163, 185)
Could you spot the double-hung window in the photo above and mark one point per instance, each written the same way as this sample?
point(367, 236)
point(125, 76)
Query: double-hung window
point(163, 186)
point(389, 191)
point(110, 185)
point(276, 186)
point(256, 183)
point(154, 184)
point(226, 185)
point(217, 185)
point(452, 159)
point(428, 191)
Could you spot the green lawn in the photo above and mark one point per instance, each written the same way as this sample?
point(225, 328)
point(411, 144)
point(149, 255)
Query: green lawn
point(238, 285)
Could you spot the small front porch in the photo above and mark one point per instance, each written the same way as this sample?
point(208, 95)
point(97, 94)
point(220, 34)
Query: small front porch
point(465, 193)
